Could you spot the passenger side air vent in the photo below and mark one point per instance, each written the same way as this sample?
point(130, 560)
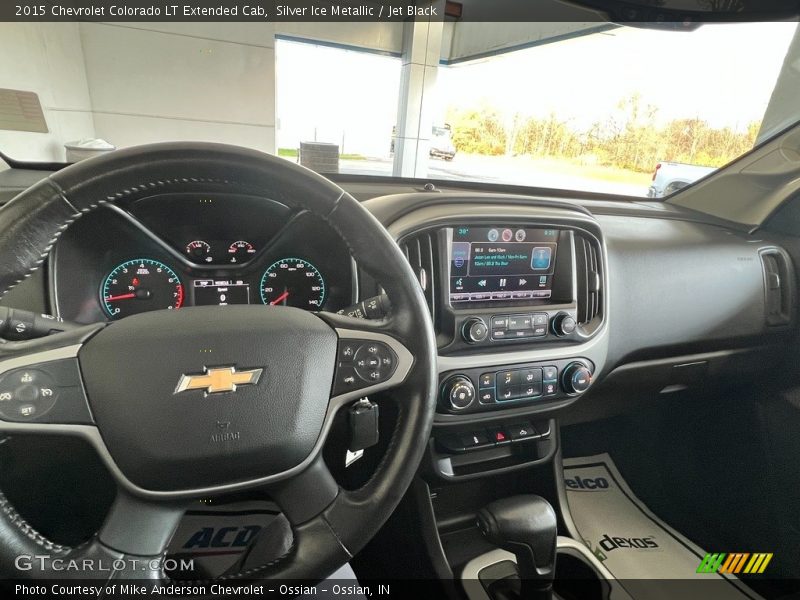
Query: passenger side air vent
point(777, 286)
point(590, 280)
point(422, 253)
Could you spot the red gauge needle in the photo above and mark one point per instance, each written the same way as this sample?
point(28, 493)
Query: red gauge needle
point(121, 297)
point(280, 298)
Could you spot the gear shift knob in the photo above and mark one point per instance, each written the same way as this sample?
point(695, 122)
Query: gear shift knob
point(525, 525)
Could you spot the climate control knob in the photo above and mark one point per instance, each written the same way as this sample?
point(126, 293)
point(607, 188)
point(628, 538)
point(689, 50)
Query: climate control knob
point(459, 392)
point(576, 378)
point(564, 324)
point(474, 330)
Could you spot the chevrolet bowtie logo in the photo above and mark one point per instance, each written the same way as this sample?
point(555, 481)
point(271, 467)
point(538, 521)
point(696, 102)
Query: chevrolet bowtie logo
point(218, 379)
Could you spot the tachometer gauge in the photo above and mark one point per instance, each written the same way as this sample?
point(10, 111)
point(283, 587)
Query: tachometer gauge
point(240, 251)
point(140, 285)
point(293, 282)
point(199, 250)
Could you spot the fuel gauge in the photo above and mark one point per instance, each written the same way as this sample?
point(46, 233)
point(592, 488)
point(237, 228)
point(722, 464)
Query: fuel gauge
point(241, 251)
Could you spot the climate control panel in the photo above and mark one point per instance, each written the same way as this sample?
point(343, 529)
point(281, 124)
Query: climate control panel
point(478, 390)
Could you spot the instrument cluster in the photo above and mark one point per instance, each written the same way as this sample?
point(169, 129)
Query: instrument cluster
point(178, 250)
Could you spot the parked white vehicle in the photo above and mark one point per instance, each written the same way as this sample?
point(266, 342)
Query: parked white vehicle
point(670, 177)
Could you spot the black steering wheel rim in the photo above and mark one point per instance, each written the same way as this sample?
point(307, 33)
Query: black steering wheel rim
point(329, 534)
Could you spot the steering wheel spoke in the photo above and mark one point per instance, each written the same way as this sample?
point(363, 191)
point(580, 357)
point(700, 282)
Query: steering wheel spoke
point(41, 388)
point(371, 357)
point(140, 527)
point(306, 495)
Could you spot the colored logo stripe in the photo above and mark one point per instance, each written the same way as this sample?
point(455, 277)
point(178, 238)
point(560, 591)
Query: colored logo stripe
point(735, 563)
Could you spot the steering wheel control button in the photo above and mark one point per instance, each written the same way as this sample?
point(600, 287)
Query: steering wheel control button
point(459, 392)
point(475, 330)
point(347, 352)
point(48, 393)
point(25, 394)
point(363, 363)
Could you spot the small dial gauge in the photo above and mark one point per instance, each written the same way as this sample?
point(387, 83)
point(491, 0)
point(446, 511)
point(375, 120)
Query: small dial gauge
point(241, 251)
point(140, 285)
point(293, 282)
point(199, 250)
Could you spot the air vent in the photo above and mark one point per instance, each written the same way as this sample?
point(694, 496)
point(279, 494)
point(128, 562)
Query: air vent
point(777, 287)
point(421, 252)
point(590, 280)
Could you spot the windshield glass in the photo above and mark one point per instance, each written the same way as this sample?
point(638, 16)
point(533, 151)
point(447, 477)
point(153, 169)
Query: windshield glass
point(577, 106)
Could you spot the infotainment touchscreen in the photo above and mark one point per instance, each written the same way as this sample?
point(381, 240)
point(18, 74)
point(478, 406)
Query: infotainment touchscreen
point(502, 263)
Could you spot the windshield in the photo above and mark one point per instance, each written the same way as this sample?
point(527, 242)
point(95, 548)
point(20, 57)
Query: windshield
point(575, 106)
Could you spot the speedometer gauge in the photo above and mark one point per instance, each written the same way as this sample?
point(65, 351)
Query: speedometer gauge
point(140, 285)
point(293, 282)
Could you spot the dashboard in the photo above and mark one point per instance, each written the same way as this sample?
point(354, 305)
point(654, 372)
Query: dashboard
point(544, 307)
point(176, 250)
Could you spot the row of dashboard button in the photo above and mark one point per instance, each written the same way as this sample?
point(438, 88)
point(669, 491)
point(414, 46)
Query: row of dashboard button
point(519, 384)
point(514, 327)
point(493, 436)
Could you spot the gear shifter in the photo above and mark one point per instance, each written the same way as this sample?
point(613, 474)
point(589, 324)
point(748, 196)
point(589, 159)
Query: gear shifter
point(525, 525)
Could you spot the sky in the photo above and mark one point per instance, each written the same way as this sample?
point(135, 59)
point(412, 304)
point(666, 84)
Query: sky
point(724, 74)
point(721, 73)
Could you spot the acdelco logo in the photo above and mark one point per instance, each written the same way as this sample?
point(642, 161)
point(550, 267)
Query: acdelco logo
point(609, 543)
point(223, 537)
point(586, 483)
point(735, 563)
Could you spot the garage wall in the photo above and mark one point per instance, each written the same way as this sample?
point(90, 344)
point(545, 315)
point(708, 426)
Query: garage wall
point(167, 81)
point(46, 58)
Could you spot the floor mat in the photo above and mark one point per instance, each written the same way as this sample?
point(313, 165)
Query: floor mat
point(650, 559)
point(214, 537)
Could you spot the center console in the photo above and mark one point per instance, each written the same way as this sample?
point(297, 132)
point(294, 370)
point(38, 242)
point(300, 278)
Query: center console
point(519, 305)
point(518, 293)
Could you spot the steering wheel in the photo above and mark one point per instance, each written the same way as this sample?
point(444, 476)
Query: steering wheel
point(165, 445)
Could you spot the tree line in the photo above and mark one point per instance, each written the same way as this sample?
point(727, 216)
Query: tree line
point(631, 138)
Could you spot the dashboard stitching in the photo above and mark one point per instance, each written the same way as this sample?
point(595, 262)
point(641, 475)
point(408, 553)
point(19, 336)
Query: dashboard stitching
point(91, 207)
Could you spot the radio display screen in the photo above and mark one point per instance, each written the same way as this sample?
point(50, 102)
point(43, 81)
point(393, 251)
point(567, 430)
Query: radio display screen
point(502, 264)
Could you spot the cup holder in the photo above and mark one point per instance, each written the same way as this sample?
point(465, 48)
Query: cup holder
point(577, 579)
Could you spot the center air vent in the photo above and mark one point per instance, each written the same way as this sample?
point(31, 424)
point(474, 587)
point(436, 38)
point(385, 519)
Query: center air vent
point(590, 281)
point(421, 252)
